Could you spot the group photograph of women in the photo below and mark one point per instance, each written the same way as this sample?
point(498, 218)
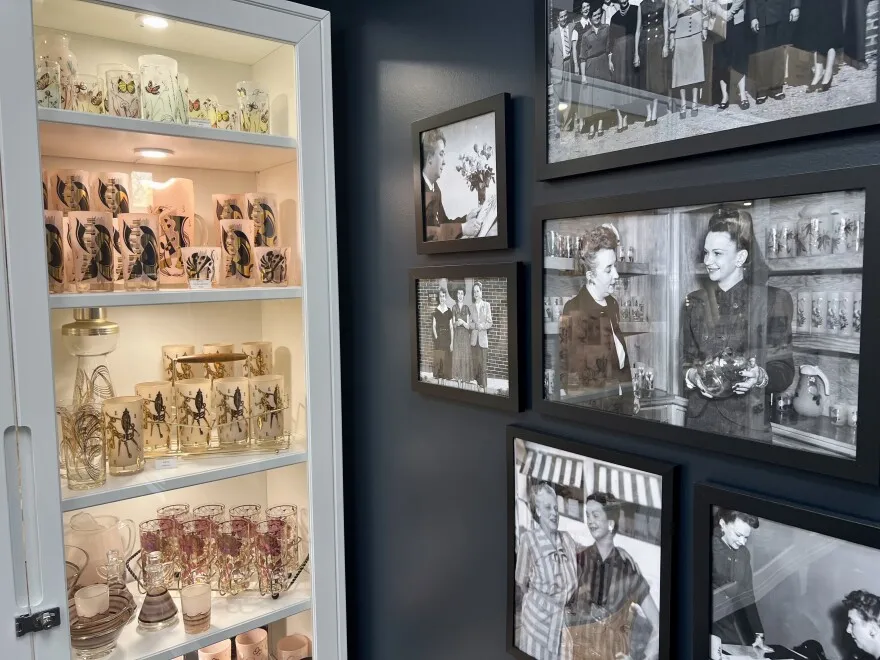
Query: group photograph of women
point(627, 73)
point(588, 557)
point(463, 339)
point(783, 592)
point(685, 316)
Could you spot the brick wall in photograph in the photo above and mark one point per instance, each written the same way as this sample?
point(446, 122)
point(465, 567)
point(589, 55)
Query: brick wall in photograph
point(495, 293)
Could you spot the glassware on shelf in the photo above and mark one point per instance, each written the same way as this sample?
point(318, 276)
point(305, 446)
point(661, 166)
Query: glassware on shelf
point(68, 190)
point(221, 369)
point(158, 610)
point(259, 358)
point(294, 647)
point(160, 90)
point(97, 535)
point(139, 251)
point(110, 192)
point(273, 264)
point(235, 556)
point(857, 314)
point(276, 562)
point(175, 233)
point(226, 117)
point(253, 103)
point(54, 47)
point(201, 264)
point(49, 84)
point(183, 95)
point(56, 231)
point(845, 313)
point(283, 525)
point(252, 645)
point(238, 260)
point(160, 535)
point(113, 571)
point(92, 600)
point(94, 257)
point(195, 602)
point(262, 209)
point(220, 651)
point(838, 232)
point(83, 452)
point(194, 414)
point(854, 228)
point(124, 434)
point(87, 94)
point(288, 514)
point(804, 311)
point(179, 370)
point(96, 637)
point(201, 108)
point(176, 512)
point(213, 513)
point(75, 561)
point(158, 414)
point(196, 551)
point(267, 408)
point(232, 410)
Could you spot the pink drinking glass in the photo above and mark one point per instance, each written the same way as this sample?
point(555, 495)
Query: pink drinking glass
point(196, 542)
point(235, 559)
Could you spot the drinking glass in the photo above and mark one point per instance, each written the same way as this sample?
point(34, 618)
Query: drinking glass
point(195, 601)
point(196, 543)
point(235, 560)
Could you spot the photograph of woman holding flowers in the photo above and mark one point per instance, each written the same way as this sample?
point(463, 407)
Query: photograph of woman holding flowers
point(459, 180)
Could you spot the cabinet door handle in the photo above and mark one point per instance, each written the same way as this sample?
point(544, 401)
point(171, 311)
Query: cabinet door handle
point(18, 457)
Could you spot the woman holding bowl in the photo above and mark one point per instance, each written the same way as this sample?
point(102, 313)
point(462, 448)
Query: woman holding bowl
point(737, 335)
point(547, 579)
point(594, 368)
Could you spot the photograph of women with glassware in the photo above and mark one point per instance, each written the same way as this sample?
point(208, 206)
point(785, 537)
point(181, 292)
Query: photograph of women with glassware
point(464, 332)
point(729, 65)
point(740, 319)
point(787, 583)
point(587, 571)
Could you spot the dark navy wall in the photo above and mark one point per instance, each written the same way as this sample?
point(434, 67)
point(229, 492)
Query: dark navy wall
point(425, 480)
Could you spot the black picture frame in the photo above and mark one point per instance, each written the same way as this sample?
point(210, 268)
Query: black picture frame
point(500, 105)
point(830, 121)
point(866, 466)
point(707, 496)
point(669, 473)
point(512, 271)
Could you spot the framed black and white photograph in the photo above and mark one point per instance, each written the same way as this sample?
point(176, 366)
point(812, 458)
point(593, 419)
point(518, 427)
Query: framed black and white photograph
point(460, 178)
point(734, 311)
point(781, 582)
point(591, 551)
point(464, 325)
point(626, 82)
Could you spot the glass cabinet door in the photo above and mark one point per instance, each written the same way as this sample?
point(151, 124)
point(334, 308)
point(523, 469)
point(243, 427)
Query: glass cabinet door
point(164, 317)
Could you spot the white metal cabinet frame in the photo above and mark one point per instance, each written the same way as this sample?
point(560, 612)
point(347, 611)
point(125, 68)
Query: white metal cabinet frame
point(26, 313)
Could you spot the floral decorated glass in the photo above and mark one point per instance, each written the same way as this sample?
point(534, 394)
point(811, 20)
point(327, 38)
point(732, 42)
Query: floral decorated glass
point(287, 514)
point(176, 512)
point(88, 94)
point(214, 514)
point(160, 535)
point(272, 560)
point(196, 545)
point(235, 560)
point(250, 512)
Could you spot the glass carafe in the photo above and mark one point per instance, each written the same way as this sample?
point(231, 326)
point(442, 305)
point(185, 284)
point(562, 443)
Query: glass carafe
point(158, 610)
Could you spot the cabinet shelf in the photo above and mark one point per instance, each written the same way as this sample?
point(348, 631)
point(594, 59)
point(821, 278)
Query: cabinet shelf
point(624, 268)
point(170, 297)
point(69, 134)
point(184, 473)
point(230, 616)
point(832, 343)
point(829, 263)
point(626, 327)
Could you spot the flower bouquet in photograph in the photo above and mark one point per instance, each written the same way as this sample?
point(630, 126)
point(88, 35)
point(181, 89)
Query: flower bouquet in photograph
point(478, 171)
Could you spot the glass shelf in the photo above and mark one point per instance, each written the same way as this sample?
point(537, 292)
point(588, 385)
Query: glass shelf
point(170, 297)
point(230, 616)
point(180, 474)
point(68, 134)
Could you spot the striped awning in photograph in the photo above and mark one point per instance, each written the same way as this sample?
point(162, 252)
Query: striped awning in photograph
point(556, 469)
point(629, 486)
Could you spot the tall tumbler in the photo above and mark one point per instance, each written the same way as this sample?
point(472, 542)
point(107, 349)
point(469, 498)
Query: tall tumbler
point(235, 560)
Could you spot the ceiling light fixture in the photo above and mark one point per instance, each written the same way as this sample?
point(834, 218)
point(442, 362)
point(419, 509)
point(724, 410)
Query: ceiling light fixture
point(154, 22)
point(150, 152)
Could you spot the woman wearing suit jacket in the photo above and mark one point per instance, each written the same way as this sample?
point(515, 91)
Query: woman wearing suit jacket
point(688, 28)
point(481, 321)
point(736, 315)
point(594, 367)
point(771, 21)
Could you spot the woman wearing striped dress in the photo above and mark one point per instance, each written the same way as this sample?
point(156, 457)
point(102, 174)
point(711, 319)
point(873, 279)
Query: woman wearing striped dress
point(545, 572)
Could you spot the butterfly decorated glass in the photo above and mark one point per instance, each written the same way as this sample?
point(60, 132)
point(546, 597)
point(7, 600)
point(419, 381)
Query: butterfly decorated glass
point(253, 102)
point(88, 94)
point(49, 84)
point(160, 90)
point(123, 93)
point(226, 118)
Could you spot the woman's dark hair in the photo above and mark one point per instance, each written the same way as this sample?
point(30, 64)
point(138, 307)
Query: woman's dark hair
point(729, 515)
point(476, 284)
point(738, 225)
point(536, 489)
point(865, 603)
point(598, 238)
point(610, 505)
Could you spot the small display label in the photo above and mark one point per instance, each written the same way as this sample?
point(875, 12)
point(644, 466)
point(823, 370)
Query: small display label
point(166, 463)
point(200, 285)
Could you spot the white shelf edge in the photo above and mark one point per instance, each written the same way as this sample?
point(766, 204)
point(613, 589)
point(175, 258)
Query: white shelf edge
point(186, 473)
point(158, 128)
point(248, 615)
point(170, 297)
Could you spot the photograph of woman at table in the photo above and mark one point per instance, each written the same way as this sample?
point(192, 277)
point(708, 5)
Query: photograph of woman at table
point(593, 362)
point(735, 613)
point(735, 316)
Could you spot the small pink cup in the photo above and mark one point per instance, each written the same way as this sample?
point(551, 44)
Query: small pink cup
point(252, 645)
point(219, 651)
point(294, 647)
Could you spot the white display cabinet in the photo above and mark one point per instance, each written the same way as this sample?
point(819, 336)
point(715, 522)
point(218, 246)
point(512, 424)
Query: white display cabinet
point(216, 43)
